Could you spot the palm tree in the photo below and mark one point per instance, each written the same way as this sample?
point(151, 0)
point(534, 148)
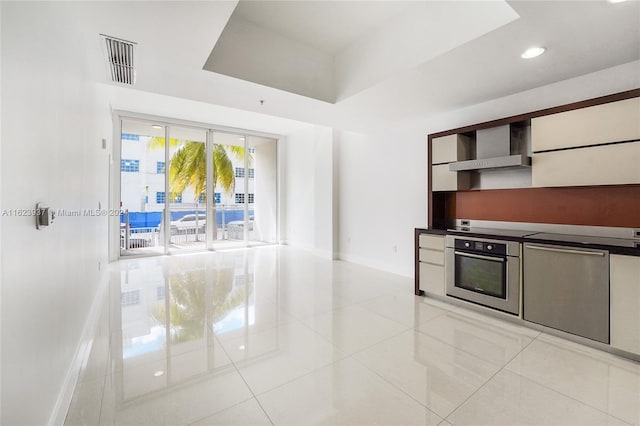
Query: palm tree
point(188, 166)
point(195, 303)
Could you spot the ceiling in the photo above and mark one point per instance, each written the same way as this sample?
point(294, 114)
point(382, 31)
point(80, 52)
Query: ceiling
point(467, 61)
point(330, 50)
point(328, 26)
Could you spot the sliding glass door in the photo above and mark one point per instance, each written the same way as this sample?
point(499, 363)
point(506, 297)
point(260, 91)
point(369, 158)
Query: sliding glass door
point(142, 187)
point(229, 181)
point(190, 188)
point(187, 179)
point(246, 207)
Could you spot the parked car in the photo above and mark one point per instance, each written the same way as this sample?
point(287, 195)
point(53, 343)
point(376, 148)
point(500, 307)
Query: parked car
point(189, 224)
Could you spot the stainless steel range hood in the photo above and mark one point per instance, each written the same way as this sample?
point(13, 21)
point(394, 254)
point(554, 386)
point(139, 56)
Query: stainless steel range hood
point(496, 149)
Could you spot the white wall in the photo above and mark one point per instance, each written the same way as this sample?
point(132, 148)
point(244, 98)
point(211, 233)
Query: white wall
point(382, 197)
point(51, 152)
point(132, 100)
point(383, 182)
point(306, 190)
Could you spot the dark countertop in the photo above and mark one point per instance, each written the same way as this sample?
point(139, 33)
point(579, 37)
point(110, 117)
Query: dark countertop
point(629, 247)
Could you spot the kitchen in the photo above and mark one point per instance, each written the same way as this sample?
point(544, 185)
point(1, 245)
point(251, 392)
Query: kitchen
point(536, 218)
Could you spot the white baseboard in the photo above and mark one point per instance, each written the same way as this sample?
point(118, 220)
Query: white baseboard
point(382, 266)
point(83, 350)
point(326, 254)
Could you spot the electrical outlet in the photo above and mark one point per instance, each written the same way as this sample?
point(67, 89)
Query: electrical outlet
point(636, 233)
point(465, 222)
point(104, 143)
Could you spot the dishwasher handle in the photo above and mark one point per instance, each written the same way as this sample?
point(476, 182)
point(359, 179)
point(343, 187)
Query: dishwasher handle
point(567, 251)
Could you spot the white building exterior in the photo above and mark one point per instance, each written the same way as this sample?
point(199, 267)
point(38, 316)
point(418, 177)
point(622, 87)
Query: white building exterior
point(142, 171)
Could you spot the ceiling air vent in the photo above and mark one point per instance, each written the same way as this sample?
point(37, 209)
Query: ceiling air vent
point(120, 58)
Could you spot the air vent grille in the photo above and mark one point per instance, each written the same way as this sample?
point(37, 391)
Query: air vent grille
point(120, 55)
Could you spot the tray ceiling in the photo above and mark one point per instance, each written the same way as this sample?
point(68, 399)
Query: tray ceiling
point(332, 50)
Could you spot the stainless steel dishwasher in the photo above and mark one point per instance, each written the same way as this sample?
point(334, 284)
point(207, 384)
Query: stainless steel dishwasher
point(567, 288)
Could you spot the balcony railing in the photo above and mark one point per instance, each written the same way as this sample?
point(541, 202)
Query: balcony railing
point(144, 229)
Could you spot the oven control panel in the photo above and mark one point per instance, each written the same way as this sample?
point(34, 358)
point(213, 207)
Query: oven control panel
point(481, 246)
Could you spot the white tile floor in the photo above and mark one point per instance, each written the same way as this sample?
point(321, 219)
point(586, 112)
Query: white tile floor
point(272, 335)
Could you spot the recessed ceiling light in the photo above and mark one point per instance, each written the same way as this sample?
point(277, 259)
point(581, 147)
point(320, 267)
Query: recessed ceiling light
point(616, 1)
point(532, 52)
point(158, 373)
point(156, 126)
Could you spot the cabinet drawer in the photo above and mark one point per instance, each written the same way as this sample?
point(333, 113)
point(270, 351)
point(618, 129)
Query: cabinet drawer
point(445, 180)
point(612, 122)
point(433, 242)
point(449, 148)
point(432, 256)
point(598, 165)
point(432, 278)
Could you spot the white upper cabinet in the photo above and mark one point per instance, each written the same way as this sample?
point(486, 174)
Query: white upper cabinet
point(447, 149)
point(617, 164)
point(611, 122)
point(444, 179)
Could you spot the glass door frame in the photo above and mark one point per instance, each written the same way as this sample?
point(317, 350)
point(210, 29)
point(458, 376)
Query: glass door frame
point(167, 122)
point(167, 201)
point(210, 197)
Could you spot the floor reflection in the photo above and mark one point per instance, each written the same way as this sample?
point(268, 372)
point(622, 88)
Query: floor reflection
point(275, 335)
point(172, 312)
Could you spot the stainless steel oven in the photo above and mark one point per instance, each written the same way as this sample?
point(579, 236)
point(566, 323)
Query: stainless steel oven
point(482, 271)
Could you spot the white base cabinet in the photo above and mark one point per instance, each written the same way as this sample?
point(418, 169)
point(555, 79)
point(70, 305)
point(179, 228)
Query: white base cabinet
point(625, 303)
point(431, 264)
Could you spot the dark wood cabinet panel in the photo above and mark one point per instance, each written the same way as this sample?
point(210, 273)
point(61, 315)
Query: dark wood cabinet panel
point(617, 206)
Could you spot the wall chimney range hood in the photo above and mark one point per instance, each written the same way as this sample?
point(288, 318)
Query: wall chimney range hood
point(496, 148)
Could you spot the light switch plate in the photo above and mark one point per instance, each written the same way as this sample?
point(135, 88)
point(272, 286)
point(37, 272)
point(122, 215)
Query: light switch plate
point(44, 216)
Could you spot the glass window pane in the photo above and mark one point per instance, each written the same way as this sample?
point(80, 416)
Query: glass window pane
point(142, 190)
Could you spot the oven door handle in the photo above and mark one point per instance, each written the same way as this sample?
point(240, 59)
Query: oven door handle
point(477, 256)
